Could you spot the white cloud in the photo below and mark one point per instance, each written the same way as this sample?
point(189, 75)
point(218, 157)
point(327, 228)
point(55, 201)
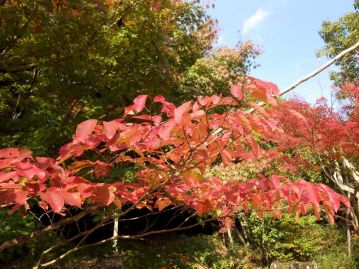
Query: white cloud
point(254, 20)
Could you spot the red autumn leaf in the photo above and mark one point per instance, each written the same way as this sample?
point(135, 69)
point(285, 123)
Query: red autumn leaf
point(110, 128)
point(310, 191)
point(15, 153)
point(145, 118)
point(101, 169)
point(198, 114)
point(79, 165)
point(156, 119)
point(54, 199)
point(167, 107)
point(236, 92)
point(263, 90)
point(180, 112)
point(199, 207)
point(299, 117)
point(275, 180)
point(192, 177)
point(21, 197)
point(156, 5)
point(44, 163)
point(139, 102)
point(229, 101)
point(8, 175)
point(26, 169)
point(164, 130)
point(334, 198)
point(226, 157)
point(104, 194)
point(159, 99)
point(71, 198)
point(162, 203)
point(86, 189)
point(175, 155)
point(9, 153)
point(84, 129)
point(24, 153)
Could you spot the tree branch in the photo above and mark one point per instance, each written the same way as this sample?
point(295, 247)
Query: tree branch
point(21, 240)
point(123, 237)
point(311, 75)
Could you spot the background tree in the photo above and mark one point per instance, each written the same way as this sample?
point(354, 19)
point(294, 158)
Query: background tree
point(217, 72)
point(338, 36)
point(65, 61)
point(321, 138)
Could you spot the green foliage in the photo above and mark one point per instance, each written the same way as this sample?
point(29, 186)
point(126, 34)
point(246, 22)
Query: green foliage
point(334, 254)
point(287, 239)
point(11, 226)
point(215, 73)
point(66, 61)
point(15, 224)
point(248, 169)
point(305, 239)
point(338, 36)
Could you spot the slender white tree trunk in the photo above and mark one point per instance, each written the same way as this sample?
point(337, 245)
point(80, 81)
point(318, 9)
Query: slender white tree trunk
point(115, 235)
point(349, 235)
point(229, 232)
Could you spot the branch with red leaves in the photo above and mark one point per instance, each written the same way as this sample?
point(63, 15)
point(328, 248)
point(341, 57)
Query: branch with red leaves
point(171, 148)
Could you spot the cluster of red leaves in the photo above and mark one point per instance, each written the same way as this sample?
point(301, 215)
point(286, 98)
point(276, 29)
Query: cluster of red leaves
point(171, 149)
point(22, 177)
point(319, 128)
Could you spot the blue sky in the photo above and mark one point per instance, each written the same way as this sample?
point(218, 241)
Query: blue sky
point(287, 32)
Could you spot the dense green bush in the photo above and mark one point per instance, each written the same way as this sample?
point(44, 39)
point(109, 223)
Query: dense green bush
point(304, 239)
point(334, 253)
point(287, 239)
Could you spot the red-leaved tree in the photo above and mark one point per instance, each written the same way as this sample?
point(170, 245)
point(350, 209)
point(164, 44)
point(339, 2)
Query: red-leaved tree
point(171, 147)
point(329, 136)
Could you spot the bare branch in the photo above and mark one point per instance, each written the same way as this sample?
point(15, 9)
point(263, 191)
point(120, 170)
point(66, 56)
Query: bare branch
point(311, 75)
point(21, 240)
point(124, 237)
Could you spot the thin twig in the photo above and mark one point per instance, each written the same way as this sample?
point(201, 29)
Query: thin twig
point(21, 240)
point(124, 237)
